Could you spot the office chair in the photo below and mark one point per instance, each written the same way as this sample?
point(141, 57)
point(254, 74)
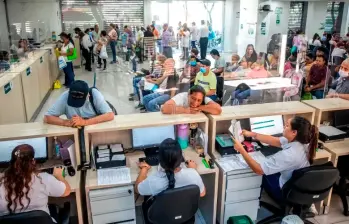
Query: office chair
point(306, 186)
point(32, 217)
point(219, 90)
point(173, 206)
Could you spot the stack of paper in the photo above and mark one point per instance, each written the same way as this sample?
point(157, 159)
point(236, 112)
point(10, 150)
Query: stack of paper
point(257, 156)
point(116, 148)
point(237, 162)
point(114, 176)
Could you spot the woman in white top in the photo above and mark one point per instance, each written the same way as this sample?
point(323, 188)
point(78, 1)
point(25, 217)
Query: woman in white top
point(298, 144)
point(315, 41)
point(23, 188)
point(185, 41)
point(67, 50)
point(170, 173)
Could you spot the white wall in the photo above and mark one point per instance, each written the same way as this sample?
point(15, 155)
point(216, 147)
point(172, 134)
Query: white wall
point(316, 14)
point(271, 26)
point(4, 41)
point(345, 20)
point(231, 25)
point(25, 11)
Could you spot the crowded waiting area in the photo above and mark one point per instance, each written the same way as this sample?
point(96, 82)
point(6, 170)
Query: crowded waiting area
point(174, 112)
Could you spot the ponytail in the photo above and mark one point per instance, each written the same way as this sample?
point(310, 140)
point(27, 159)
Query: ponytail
point(171, 179)
point(306, 134)
point(313, 141)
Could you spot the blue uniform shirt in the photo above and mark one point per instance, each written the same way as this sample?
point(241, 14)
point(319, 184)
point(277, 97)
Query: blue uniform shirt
point(293, 156)
point(86, 111)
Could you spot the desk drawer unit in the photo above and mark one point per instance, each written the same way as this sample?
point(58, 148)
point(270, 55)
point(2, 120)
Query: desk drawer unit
point(243, 182)
point(244, 195)
point(113, 205)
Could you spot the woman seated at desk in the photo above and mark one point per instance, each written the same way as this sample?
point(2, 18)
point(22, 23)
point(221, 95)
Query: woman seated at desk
point(22, 47)
point(298, 144)
point(23, 188)
point(250, 55)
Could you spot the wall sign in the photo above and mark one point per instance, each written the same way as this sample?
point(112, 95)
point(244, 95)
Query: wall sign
point(41, 59)
point(263, 28)
point(8, 87)
point(278, 10)
point(278, 19)
point(28, 71)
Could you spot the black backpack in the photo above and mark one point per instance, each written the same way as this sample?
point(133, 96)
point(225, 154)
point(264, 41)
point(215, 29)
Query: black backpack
point(94, 107)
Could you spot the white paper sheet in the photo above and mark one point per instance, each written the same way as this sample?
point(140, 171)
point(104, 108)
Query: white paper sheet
point(118, 157)
point(114, 176)
point(116, 148)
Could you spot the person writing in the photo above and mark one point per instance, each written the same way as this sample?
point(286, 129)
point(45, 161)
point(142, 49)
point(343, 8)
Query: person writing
point(298, 144)
point(316, 80)
point(170, 173)
point(341, 85)
point(207, 79)
point(78, 108)
point(191, 103)
point(24, 189)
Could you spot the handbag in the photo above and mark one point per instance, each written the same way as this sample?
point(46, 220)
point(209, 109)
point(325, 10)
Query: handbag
point(307, 96)
point(73, 56)
point(61, 63)
point(103, 54)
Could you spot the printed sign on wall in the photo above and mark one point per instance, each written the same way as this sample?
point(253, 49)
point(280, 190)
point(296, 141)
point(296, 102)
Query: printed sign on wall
point(8, 87)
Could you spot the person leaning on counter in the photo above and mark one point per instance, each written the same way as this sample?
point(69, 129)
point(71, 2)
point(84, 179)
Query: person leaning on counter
point(24, 189)
point(295, 154)
point(78, 108)
point(191, 103)
point(341, 85)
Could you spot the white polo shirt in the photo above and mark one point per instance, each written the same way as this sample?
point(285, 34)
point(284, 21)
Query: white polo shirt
point(293, 156)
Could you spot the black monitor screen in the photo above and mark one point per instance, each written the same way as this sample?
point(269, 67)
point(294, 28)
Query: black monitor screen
point(341, 119)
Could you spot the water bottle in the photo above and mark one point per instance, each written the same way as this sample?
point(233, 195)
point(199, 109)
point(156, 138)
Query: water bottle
point(183, 135)
point(57, 148)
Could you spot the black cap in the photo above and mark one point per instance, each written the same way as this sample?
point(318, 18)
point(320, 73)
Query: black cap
point(205, 62)
point(77, 93)
point(64, 34)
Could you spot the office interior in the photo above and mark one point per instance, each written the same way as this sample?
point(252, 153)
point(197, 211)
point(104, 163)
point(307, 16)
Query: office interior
point(29, 89)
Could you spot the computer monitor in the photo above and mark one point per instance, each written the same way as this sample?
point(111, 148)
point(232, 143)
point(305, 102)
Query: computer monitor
point(341, 119)
point(152, 136)
point(39, 145)
point(270, 125)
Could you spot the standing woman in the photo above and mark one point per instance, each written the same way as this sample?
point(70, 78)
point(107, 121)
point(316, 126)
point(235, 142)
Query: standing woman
point(185, 40)
point(113, 36)
point(24, 189)
point(298, 144)
point(250, 55)
point(102, 41)
point(67, 50)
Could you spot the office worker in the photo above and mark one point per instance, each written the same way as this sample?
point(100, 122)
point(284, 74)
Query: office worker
point(191, 103)
point(23, 188)
point(295, 154)
point(170, 173)
point(77, 106)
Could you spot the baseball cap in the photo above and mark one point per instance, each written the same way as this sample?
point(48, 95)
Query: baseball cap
point(77, 93)
point(205, 62)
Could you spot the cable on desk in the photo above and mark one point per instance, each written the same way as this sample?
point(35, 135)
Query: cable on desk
point(130, 150)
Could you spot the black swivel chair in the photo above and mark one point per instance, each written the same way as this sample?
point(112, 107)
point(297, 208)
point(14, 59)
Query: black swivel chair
point(173, 206)
point(306, 186)
point(32, 217)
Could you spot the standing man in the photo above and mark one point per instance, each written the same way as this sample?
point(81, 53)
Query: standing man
point(139, 43)
point(129, 42)
point(166, 40)
point(95, 33)
point(204, 32)
point(113, 36)
point(194, 31)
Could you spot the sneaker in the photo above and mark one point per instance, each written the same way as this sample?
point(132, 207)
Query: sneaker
point(131, 98)
point(140, 106)
point(112, 62)
point(99, 66)
point(131, 94)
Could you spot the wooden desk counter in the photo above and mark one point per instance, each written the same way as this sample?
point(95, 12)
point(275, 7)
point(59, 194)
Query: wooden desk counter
point(130, 121)
point(338, 148)
point(260, 110)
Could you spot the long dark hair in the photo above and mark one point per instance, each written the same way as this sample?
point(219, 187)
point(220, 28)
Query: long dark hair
point(253, 57)
point(170, 158)
point(315, 37)
point(306, 134)
point(18, 176)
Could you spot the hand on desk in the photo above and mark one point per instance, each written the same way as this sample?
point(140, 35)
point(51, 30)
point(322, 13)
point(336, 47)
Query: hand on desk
point(78, 121)
point(191, 164)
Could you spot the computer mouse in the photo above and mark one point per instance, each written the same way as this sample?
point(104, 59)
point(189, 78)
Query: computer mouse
point(71, 171)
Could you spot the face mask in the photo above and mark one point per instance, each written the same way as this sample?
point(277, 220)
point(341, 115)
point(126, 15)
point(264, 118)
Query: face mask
point(343, 74)
point(323, 38)
point(193, 63)
point(203, 70)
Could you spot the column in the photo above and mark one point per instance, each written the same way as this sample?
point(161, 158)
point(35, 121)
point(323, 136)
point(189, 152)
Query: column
point(317, 12)
point(345, 20)
point(231, 25)
point(147, 12)
point(248, 23)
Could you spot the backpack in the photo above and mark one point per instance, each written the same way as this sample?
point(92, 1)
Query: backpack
point(93, 105)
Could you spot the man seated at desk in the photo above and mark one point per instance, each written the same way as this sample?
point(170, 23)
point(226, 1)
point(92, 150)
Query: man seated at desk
point(341, 85)
point(207, 79)
point(77, 106)
point(170, 173)
point(24, 189)
point(191, 103)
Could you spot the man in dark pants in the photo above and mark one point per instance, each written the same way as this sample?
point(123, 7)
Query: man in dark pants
point(203, 39)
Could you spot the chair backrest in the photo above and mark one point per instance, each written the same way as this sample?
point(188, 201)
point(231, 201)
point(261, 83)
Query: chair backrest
point(32, 217)
point(174, 206)
point(311, 184)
